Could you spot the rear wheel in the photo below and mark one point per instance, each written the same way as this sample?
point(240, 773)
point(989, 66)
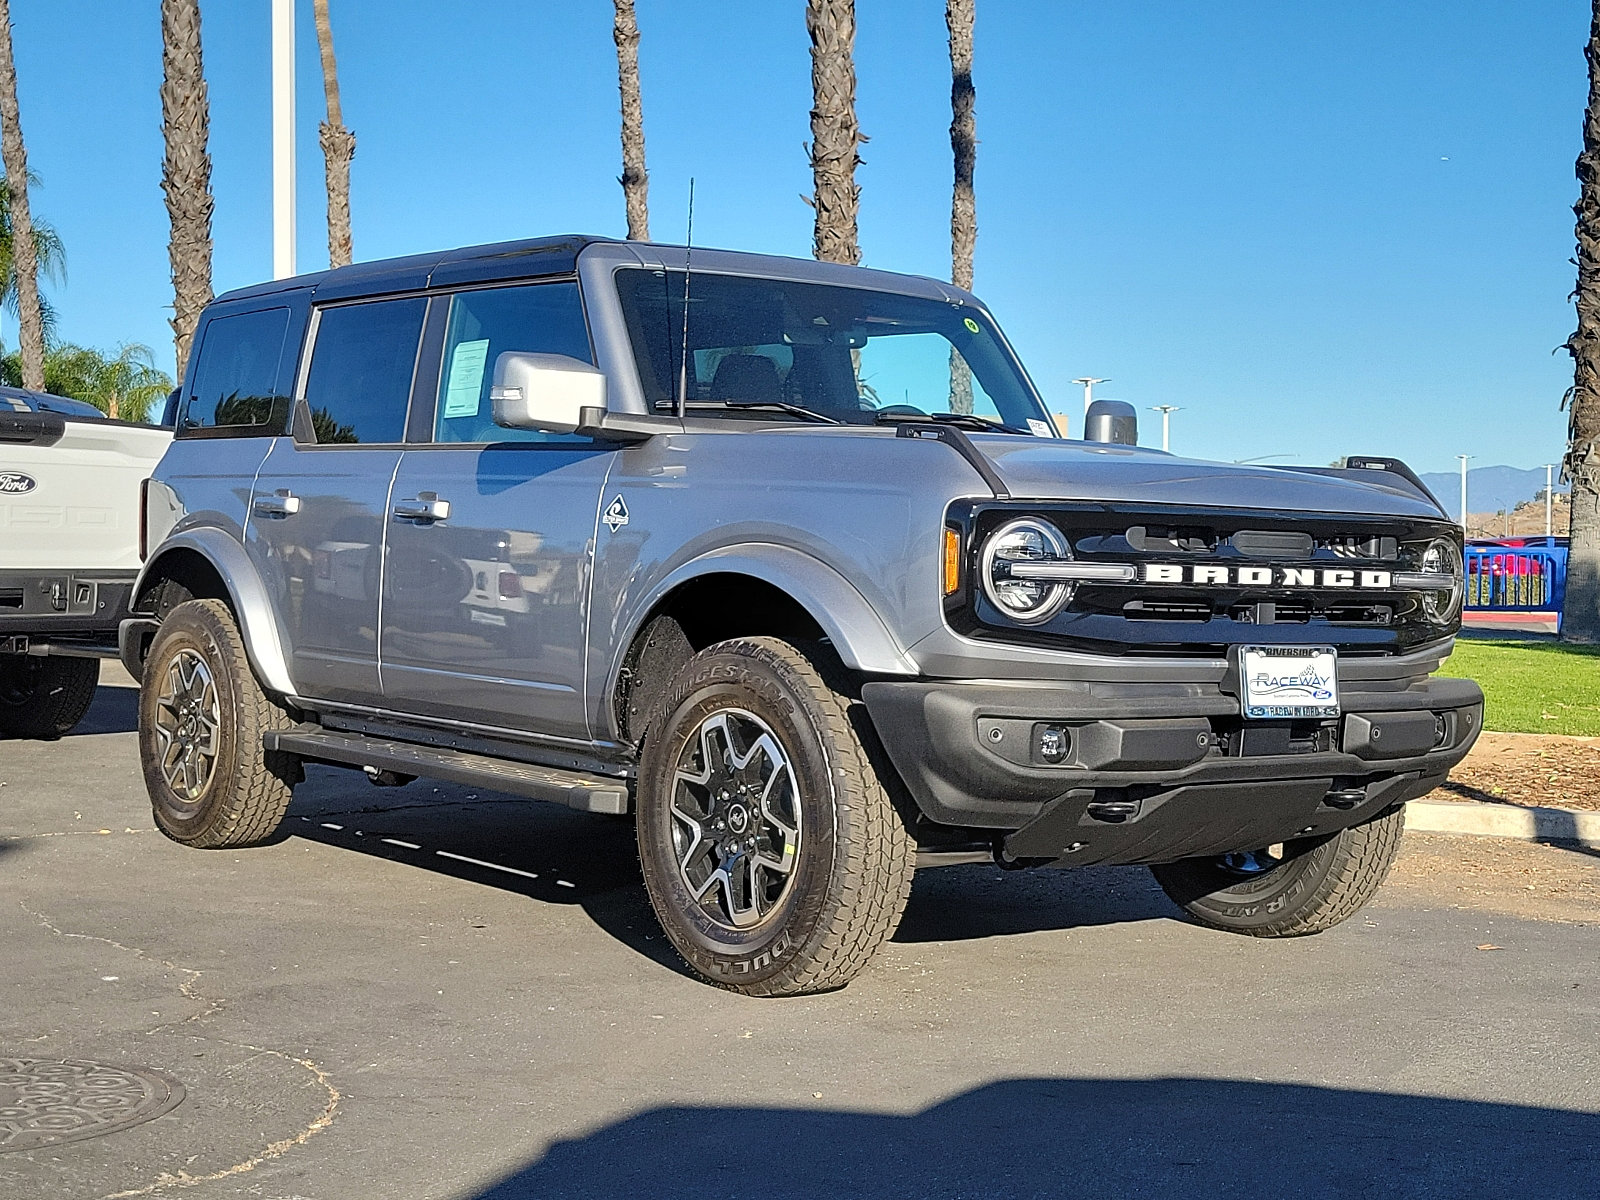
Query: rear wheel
point(774, 856)
point(201, 720)
point(45, 697)
point(1291, 889)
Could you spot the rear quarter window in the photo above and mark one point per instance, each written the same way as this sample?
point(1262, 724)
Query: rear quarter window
point(235, 387)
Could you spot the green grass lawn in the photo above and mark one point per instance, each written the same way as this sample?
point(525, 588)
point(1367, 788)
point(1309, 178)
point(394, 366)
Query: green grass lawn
point(1532, 686)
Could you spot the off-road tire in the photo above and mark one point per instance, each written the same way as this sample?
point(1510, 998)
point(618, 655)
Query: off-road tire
point(248, 792)
point(1320, 883)
point(45, 697)
point(856, 854)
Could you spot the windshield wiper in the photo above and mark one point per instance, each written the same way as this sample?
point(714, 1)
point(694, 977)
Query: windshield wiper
point(761, 405)
point(963, 420)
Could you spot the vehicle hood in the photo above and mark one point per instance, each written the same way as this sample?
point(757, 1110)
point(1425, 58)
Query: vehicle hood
point(1058, 469)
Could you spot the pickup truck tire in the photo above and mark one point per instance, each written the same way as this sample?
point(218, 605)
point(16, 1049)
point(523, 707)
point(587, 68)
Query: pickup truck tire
point(1315, 883)
point(775, 858)
point(201, 719)
point(45, 697)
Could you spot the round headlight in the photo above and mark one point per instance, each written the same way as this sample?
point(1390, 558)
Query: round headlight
point(1443, 558)
point(1026, 600)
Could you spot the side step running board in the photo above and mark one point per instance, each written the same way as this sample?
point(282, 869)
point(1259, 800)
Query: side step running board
point(587, 793)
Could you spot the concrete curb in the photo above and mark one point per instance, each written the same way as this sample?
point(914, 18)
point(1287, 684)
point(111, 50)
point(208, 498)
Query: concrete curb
point(1505, 821)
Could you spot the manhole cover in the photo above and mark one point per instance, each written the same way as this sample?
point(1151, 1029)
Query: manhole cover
point(46, 1102)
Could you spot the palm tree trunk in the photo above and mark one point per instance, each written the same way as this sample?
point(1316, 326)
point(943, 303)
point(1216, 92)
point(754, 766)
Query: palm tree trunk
point(25, 259)
point(958, 18)
point(835, 133)
point(338, 146)
point(635, 180)
point(1581, 618)
point(186, 170)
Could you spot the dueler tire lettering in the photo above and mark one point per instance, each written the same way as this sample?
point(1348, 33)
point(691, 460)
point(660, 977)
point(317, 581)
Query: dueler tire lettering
point(813, 924)
point(1319, 883)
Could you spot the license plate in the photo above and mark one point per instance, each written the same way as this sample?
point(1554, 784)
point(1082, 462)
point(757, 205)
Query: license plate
point(1279, 682)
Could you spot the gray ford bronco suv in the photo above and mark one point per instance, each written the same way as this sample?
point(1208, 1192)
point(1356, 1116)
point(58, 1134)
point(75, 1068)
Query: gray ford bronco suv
point(785, 560)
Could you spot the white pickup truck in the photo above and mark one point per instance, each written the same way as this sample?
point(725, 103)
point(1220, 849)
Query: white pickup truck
point(70, 483)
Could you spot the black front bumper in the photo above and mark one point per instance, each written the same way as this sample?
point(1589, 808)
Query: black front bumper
point(1155, 774)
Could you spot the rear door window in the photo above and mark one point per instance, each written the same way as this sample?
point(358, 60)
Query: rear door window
point(236, 376)
point(542, 318)
point(362, 363)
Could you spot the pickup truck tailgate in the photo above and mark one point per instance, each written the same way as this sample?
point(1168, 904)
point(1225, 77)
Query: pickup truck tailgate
point(73, 504)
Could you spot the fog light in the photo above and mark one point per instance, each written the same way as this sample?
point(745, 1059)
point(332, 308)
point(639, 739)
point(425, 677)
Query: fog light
point(1052, 742)
point(1441, 730)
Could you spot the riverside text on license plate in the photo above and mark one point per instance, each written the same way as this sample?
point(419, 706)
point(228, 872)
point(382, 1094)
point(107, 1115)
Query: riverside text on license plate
point(1288, 681)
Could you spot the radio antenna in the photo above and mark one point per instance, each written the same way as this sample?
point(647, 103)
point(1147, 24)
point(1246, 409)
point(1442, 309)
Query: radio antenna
point(683, 357)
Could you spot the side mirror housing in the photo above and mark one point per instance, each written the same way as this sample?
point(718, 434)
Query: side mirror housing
point(1112, 421)
point(547, 392)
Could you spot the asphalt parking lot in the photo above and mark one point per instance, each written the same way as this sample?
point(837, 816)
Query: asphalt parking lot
point(435, 992)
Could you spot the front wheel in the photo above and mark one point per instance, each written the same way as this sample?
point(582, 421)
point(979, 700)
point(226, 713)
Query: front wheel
point(1291, 889)
point(201, 720)
point(45, 697)
point(775, 858)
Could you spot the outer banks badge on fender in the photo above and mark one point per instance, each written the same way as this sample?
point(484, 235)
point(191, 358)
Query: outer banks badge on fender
point(616, 516)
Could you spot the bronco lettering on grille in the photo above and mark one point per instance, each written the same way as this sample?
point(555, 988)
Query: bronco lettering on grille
point(1301, 577)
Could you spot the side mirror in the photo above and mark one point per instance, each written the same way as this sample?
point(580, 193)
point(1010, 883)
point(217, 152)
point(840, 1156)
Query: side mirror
point(1111, 421)
point(547, 392)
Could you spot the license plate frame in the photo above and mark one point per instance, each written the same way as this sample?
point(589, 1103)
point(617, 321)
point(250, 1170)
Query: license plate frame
point(1286, 683)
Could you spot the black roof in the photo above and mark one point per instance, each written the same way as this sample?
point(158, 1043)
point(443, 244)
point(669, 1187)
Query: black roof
point(467, 264)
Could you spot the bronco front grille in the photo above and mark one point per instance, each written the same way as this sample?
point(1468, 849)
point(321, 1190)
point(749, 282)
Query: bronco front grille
point(1204, 580)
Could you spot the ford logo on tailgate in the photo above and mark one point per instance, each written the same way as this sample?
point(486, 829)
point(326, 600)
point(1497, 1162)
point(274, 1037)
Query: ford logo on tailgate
point(14, 483)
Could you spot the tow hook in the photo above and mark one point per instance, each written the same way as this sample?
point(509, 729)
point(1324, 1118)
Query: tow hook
point(1114, 812)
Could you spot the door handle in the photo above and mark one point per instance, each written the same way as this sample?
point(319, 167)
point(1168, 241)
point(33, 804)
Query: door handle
point(282, 503)
point(424, 506)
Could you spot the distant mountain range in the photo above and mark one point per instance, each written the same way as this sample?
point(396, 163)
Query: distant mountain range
point(1489, 489)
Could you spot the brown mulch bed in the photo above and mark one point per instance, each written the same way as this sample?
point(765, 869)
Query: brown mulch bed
point(1530, 769)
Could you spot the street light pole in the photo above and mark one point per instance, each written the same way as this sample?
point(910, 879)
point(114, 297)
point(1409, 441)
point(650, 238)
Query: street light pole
point(1548, 484)
point(1166, 411)
point(1463, 458)
point(282, 138)
point(1088, 391)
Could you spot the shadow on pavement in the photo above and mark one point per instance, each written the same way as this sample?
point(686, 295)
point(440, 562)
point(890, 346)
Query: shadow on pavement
point(547, 853)
point(555, 856)
point(1085, 1137)
point(113, 710)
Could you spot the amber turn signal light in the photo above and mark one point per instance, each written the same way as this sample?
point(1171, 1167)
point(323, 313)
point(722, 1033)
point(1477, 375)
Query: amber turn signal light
point(952, 562)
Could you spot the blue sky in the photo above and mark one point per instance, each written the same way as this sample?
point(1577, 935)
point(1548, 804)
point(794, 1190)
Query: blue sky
point(1320, 229)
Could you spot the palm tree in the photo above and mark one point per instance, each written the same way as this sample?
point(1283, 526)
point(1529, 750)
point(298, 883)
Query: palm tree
point(1581, 618)
point(127, 385)
point(635, 179)
point(48, 253)
point(835, 134)
point(338, 146)
point(958, 18)
point(24, 255)
point(186, 170)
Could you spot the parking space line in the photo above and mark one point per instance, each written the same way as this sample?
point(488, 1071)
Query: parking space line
point(478, 862)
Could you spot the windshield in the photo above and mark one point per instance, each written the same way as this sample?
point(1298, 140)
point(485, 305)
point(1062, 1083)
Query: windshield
point(845, 354)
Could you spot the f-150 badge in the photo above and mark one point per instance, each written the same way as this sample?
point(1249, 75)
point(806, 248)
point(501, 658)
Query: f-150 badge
point(615, 516)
